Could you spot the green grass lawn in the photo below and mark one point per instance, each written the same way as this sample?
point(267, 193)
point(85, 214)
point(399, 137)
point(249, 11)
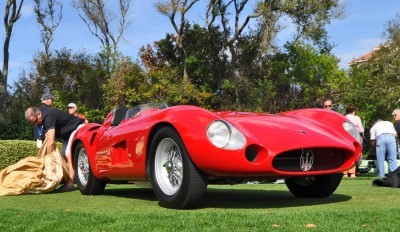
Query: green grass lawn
point(355, 206)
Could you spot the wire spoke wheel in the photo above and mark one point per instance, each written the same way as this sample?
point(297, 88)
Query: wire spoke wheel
point(168, 166)
point(83, 167)
point(176, 181)
point(87, 183)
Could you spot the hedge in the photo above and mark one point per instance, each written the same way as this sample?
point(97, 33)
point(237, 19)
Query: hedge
point(12, 151)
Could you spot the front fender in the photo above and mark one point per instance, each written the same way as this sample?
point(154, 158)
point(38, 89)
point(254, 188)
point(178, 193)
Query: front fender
point(88, 136)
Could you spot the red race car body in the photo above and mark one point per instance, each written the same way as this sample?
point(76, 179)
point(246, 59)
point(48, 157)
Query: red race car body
point(181, 149)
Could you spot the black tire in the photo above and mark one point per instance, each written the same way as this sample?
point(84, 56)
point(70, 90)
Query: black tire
point(314, 187)
point(87, 183)
point(176, 182)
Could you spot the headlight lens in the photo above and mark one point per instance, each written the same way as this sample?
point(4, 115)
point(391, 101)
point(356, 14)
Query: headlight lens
point(349, 127)
point(218, 133)
point(224, 135)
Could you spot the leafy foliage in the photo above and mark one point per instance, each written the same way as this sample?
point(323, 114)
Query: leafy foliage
point(11, 151)
point(213, 66)
point(372, 85)
point(310, 75)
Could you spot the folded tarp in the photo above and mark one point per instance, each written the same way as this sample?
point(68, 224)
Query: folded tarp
point(39, 174)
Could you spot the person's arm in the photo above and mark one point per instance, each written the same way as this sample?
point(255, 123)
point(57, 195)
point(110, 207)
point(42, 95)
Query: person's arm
point(359, 125)
point(397, 128)
point(394, 130)
point(51, 140)
point(372, 136)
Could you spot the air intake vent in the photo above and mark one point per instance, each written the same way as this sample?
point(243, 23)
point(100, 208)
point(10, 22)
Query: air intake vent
point(317, 160)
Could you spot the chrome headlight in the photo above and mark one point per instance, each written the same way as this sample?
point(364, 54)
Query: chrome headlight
point(224, 135)
point(349, 127)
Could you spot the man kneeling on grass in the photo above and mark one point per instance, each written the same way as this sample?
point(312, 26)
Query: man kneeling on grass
point(57, 124)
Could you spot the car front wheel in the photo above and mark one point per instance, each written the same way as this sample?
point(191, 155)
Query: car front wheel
point(87, 183)
point(314, 187)
point(177, 183)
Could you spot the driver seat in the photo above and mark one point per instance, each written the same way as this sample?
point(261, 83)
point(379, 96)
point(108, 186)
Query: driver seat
point(118, 115)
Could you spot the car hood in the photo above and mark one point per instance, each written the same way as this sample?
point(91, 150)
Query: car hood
point(287, 132)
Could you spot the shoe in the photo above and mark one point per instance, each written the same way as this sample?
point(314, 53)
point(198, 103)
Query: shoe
point(65, 188)
point(352, 176)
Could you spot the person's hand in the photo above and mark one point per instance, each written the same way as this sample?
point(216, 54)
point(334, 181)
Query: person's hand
point(373, 143)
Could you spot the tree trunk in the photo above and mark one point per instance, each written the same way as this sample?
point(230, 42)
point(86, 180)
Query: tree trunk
point(4, 76)
point(9, 21)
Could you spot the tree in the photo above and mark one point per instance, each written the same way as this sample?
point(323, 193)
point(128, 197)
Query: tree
point(9, 19)
point(127, 86)
point(99, 21)
point(163, 64)
point(373, 86)
point(48, 20)
point(23, 95)
point(70, 76)
point(310, 18)
point(260, 25)
point(170, 9)
point(310, 76)
point(231, 35)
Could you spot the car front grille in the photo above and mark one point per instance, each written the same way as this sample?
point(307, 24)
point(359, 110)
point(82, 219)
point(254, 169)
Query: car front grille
point(323, 159)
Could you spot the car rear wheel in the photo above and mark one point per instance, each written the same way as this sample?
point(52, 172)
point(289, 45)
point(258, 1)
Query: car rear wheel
point(177, 183)
point(87, 183)
point(314, 187)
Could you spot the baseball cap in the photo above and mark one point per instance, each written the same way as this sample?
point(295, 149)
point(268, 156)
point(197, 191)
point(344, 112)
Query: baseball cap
point(47, 96)
point(72, 105)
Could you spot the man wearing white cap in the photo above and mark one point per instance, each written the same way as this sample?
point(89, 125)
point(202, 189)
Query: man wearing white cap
point(73, 109)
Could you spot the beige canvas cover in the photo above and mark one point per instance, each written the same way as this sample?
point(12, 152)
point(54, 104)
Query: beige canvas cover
point(39, 174)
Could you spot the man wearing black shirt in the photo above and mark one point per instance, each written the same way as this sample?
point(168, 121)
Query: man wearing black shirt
point(46, 102)
point(57, 124)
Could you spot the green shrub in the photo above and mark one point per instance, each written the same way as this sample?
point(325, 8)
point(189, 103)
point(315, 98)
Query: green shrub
point(16, 129)
point(11, 151)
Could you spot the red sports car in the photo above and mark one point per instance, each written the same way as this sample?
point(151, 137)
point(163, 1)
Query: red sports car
point(181, 149)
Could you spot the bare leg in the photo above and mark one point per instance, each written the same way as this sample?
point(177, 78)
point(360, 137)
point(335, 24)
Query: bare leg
point(71, 171)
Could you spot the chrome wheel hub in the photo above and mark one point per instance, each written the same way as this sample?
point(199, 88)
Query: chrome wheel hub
point(83, 167)
point(168, 166)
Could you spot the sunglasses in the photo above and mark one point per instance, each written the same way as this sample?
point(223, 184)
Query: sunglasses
point(327, 106)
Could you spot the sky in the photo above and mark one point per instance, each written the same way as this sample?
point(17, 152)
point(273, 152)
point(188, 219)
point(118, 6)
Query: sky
point(358, 33)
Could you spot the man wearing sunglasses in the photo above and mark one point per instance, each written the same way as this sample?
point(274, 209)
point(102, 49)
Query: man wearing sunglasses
point(328, 104)
point(57, 124)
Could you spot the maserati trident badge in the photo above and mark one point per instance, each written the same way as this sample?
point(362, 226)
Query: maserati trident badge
point(306, 160)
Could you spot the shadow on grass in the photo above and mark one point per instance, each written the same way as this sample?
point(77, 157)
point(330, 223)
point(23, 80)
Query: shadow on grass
point(236, 198)
point(146, 194)
point(253, 199)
